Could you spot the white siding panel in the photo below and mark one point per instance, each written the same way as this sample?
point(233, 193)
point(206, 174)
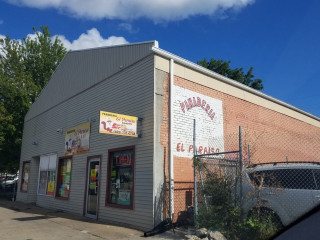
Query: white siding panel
point(128, 92)
point(82, 69)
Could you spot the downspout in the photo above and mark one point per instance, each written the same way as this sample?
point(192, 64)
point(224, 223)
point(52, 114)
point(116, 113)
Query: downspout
point(171, 140)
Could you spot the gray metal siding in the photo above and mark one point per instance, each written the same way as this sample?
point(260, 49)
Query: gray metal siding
point(80, 70)
point(128, 92)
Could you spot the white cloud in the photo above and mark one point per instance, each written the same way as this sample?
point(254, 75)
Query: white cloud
point(1, 21)
point(32, 36)
point(157, 10)
point(91, 39)
point(2, 51)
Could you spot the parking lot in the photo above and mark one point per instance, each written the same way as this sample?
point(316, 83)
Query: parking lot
point(27, 221)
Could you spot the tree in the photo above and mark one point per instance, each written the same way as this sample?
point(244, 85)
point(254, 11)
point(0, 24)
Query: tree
point(222, 67)
point(25, 68)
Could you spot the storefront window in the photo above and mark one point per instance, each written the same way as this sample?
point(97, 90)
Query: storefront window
point(121, 177)
point(47, 175)
point(25, 176)
point(64, 177)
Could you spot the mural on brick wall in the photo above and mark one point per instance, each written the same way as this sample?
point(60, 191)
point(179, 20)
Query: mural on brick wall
point(207, 111)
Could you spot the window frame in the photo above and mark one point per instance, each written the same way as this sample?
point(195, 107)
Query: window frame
point(22, 176)
point(47, 170)
point(110, 152)
point(60, 159)
point(286, 178)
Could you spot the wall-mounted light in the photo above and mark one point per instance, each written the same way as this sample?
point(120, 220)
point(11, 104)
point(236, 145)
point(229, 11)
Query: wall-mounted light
point(59, 130)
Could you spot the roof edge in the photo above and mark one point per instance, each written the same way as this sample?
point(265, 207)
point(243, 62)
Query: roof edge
point(227, 80)
point(155, 44)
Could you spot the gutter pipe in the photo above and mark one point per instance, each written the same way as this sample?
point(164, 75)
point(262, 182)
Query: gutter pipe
point(171, 175)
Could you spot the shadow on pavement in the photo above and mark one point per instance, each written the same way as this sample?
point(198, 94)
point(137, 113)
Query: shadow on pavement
point(31, 218)
point(38, 213)
point(47, 213)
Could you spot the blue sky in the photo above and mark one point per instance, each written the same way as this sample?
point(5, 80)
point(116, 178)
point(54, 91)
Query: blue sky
point(279, 39)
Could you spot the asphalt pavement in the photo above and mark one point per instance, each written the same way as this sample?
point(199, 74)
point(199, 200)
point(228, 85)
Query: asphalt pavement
point(21, 221)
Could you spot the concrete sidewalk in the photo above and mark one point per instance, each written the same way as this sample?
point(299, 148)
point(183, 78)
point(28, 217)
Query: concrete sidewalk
point(29, 222)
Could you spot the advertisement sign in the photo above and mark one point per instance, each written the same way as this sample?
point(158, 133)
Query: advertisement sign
point(50, 188)
point(77, 139)
point(207, 111)
point(113, 123)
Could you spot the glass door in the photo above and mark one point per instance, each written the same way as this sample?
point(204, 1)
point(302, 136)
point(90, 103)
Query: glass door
point(92, 187)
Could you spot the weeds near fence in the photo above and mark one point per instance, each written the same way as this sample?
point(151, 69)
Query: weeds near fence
point(220, 213)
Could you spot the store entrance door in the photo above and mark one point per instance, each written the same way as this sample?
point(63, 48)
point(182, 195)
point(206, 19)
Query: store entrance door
point(92, 187)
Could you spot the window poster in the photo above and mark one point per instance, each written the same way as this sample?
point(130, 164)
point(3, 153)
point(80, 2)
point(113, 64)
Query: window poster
point(64, 178)
point(93, 185)
point(50, 188)
point(25, 177)
point(93, 174)
point(121, 178)
point(124, 198)
point(51, 182)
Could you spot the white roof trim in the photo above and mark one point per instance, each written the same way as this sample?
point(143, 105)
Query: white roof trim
point(155, 43)
point(203, 70)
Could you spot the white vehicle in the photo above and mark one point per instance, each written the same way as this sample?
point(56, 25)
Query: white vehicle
point(286, 189)
point(8, 182)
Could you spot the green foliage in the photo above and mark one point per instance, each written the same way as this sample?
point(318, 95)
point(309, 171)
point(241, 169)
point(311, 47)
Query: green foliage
point(25, 68)
point(222, 67)
point(224, 216)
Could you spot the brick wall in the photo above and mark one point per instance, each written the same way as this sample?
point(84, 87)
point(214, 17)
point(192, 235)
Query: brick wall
point(272, 136)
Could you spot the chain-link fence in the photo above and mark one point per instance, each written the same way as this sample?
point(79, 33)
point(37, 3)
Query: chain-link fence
point(257, 184)
point(183, 202)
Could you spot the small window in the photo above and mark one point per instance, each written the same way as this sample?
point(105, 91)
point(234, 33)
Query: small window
point(285, 178)
point(265, 178)
point(47, 175)
point(298, 179)
point(25, 176)
point(64, 178)
point(120, 178)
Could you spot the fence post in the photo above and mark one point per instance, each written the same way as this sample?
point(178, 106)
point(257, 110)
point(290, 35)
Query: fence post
point(195, 172)
point(202, 185)
point(240, 174)
point(249, 154)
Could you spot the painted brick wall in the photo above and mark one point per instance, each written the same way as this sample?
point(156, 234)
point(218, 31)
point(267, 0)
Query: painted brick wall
point(207, 111)
point(272, 136)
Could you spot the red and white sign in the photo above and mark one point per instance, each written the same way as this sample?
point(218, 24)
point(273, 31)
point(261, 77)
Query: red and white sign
point(207, 111)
